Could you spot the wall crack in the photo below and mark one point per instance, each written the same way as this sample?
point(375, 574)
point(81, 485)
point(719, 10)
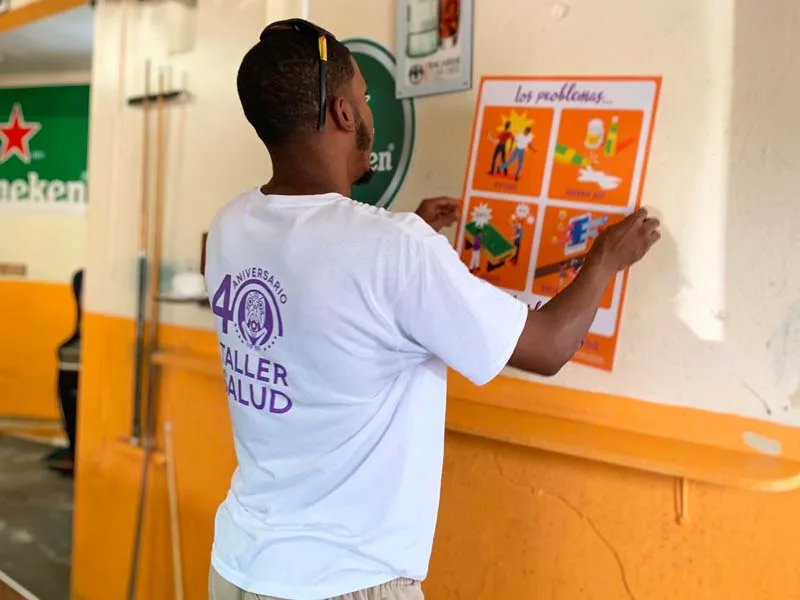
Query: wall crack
point(577, 511)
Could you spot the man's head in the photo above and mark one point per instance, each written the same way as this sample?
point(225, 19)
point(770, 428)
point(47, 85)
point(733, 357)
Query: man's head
point(508, 125)
point(279, 84)
point(527, 130)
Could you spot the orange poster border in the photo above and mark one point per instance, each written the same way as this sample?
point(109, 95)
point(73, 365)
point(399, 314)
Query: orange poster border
point(657, 79)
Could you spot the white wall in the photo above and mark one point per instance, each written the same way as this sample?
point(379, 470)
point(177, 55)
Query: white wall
point(681, 341)
point(51, 245)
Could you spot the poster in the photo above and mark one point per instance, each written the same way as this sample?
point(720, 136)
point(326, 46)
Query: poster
point(553, 162)
point(434, 47)
point(44, 142)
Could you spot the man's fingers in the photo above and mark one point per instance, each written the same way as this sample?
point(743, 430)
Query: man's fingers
point(652, 239)
point(446, 200)
point(633, 219)
point(651, 225)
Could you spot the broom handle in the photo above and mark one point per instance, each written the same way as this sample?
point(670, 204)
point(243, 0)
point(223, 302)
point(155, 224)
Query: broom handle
point(151, 333)
point(141, 264)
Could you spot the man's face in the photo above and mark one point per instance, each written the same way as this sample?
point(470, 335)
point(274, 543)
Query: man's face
point(365, 126)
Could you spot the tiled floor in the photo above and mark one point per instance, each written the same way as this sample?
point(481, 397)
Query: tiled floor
point(35, 521)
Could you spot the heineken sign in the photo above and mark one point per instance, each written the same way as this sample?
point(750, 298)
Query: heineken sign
point(44, 137)
point(394, 124)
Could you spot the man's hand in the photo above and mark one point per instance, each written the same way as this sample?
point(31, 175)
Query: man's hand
point(554, 333)
point(624, 244)
point(439, 212)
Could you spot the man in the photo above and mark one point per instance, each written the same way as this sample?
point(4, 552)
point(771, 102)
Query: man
point(337, 322)
point(521, 143)
point(500, 143)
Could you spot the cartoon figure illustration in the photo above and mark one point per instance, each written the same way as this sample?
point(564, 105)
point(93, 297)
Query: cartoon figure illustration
point(517, 242)
point(575, 266)
point(498, 240)
point(506, 136)
point(562, 274)
point(522, 141)
point(475, 259)
point(501, 141)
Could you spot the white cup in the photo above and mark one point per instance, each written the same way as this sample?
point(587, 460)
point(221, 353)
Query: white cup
point(188, 285)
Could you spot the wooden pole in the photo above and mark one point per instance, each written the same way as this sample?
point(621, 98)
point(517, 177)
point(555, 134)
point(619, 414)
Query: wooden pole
point(172, 490)
point(141, 370)
point(150, 338)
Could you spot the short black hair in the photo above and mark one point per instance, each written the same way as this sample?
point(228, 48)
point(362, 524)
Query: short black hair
point(278, 82)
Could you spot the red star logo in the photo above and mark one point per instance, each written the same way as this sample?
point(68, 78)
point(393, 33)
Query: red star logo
point(16, 136)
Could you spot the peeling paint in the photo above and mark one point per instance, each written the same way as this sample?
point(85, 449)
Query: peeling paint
point(21, 536)
point(785, 346)
point(794, 399)
point(762, 444)
point(761, 398)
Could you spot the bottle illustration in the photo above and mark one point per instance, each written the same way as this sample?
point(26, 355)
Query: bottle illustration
point(423, 28)
point(449, 23)
point(613, 136)
point(595, 132)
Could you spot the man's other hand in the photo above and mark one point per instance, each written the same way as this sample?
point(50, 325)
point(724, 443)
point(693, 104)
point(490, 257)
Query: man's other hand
point(554, 333)
point(439, 212)
point(625, 243)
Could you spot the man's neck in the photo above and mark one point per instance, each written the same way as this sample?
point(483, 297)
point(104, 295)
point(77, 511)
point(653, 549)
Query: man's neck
point(304, 172)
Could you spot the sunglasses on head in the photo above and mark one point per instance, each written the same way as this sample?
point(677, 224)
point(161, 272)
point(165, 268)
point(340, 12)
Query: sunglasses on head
point(321, 36)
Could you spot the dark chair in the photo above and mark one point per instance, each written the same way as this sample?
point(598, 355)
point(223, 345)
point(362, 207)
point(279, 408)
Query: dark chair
point(69, 364)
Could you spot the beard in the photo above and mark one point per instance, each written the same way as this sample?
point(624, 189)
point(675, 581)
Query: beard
point(363, 144)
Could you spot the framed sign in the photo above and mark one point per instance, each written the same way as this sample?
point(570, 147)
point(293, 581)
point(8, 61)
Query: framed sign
point(434, 47)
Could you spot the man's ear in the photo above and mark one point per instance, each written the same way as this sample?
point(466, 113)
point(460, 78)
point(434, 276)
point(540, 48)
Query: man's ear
point(342, 114)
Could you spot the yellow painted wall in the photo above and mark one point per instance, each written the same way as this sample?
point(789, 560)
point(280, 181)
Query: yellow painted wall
point(36, 318)
point(514, 523)
point(38, 309)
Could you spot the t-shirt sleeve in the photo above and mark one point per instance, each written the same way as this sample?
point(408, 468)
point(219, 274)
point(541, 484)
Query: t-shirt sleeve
point(469, 324)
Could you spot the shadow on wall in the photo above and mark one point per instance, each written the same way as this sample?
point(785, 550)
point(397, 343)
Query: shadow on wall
point(763, 250)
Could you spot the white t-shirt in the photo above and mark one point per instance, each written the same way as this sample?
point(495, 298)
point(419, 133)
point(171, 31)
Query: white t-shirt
point(523, 140)
point(336, 321)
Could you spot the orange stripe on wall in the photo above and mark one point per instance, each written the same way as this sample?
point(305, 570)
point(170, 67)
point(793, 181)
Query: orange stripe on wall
point(110, 468)
point(36, 10)
point(514, 522)
point(35, 318)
